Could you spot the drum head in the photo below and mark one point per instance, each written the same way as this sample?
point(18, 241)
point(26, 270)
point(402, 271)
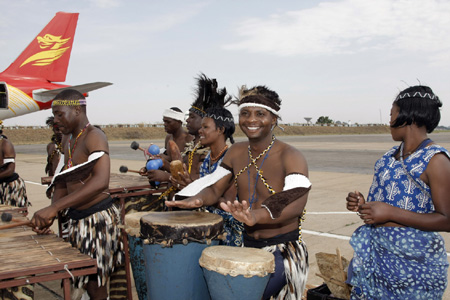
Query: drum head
point(133, 223)
point(235, 261)
point(180, 226)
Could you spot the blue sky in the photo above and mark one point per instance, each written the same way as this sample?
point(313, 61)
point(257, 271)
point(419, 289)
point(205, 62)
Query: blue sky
point(346, 59)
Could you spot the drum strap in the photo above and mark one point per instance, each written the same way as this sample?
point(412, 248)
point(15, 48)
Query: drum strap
point(196, 186)
point(295, 186)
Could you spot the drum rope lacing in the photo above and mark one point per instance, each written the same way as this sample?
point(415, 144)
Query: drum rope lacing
point(186, 239)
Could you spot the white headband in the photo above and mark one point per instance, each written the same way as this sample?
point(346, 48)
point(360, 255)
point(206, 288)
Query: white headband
point(173, 114)
point(252, 104)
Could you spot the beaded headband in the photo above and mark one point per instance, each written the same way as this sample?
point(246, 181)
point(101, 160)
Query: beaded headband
point(221, 118)
point(198, 111)
point(69, 102)
point(417, 95)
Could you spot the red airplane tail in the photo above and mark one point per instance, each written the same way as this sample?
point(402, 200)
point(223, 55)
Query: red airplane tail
point(47, 56)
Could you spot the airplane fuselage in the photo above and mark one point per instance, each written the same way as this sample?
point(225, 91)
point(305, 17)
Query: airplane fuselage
point(20, 95)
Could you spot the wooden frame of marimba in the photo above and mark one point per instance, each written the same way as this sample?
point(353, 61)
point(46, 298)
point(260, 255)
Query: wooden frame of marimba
point(123, 186)
point(27, 258)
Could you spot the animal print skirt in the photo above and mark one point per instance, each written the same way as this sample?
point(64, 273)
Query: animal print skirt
point(295, 260)
point(99, 236)
point(14, 193)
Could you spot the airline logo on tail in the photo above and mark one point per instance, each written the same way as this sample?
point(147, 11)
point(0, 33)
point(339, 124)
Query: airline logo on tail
point(28, 84)
point(46, 57)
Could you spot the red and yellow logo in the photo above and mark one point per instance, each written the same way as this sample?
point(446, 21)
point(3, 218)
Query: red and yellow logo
point(54, 45)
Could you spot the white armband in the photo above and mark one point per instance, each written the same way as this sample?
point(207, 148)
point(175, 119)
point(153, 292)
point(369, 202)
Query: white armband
point(8, 160)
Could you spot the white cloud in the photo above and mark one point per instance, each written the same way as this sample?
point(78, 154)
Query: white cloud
point(126, 33)
point(106, 3)
point(350, 26)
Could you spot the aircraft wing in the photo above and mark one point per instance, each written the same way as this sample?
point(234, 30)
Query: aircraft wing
point(44, 95)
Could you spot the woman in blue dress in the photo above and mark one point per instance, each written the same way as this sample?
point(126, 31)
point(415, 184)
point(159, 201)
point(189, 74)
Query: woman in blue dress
point(398, 253)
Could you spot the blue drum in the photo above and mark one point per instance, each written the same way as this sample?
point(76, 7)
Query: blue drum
point(236, 272)
point(136, 251)
point(173, 244)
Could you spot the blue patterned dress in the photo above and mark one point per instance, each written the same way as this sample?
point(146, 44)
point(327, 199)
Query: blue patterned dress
point(232, 227)
point(399, 262)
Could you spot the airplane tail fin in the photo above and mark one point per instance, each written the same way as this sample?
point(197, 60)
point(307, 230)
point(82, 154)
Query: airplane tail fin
point(47, 56)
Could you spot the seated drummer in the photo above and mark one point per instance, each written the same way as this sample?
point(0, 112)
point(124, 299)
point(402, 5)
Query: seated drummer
point(272, 185)
point(173, 119)
point(82, 188)
point(193, 153)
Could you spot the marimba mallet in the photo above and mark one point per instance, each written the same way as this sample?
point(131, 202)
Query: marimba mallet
point(124, 169)
point(15, 222)
point(135, 145)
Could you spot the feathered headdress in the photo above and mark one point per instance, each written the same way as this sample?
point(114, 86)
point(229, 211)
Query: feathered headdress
point(205, 94)
point(208, 95)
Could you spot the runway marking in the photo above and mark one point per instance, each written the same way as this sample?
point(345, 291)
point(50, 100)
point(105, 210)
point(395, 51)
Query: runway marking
point(334, 236)
point(32, 182)
point(330, 235)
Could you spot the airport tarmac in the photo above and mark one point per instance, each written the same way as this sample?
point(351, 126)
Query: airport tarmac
point(338, 164)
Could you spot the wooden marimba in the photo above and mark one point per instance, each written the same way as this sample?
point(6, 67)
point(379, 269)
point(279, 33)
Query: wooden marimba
point(129, 190)
point(27, 258)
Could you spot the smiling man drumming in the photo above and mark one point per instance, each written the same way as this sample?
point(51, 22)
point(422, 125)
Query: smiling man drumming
point(272, 184)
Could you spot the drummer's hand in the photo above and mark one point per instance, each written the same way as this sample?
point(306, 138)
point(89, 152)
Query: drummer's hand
point(44, 217)
point(143, 171)
point(240, 211)
point(354, 199)
point(185, 179)
point(187, 203)
point(158, 175)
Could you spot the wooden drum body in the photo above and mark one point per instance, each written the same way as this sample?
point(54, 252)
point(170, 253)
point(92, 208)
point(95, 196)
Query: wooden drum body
point(136, 252)
point(173, 244)
point(236, 272)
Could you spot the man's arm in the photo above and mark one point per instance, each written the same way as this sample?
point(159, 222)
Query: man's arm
point(59, 191)
point(7, 169)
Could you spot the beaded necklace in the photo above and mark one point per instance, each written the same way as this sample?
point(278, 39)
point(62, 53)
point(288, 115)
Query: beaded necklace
point(191, 157)
point(219, 155)
point(254, 197)
point(72, 149)
point(213, 165)
point(258, 171)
